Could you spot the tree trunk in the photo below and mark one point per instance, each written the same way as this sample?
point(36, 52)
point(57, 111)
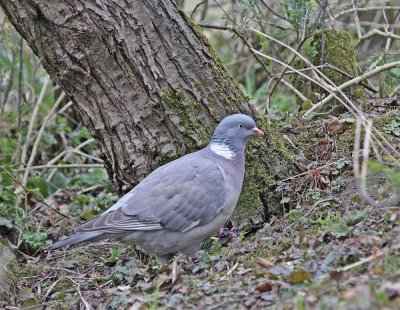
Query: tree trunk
point(143, 79)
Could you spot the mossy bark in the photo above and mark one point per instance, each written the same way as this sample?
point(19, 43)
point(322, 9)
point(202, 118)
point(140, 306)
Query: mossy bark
point(145, 82)
point(332, 47)
point(7, 278)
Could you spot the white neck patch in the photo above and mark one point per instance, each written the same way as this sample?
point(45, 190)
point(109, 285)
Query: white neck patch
point(222, 150)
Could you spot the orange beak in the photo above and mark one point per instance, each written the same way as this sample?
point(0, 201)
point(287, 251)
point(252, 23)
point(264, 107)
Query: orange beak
point(257, 132)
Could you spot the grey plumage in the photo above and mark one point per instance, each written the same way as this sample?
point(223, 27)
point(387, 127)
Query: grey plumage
point(180, 204)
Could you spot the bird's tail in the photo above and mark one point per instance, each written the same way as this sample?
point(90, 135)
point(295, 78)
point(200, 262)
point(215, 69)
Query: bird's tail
point(75, 239)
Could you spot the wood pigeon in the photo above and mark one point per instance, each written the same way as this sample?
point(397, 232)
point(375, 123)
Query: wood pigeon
point(182, 203)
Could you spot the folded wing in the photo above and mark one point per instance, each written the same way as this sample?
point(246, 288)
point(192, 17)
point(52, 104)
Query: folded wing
point(179, 196)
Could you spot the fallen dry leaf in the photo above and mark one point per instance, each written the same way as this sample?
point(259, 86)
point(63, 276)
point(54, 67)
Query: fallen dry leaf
point(336, 127)
point(264, 262)
point(265, 287)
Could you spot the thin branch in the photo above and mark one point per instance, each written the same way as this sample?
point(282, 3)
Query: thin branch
point(395, 91)
point(318, 203)
point(20, 83)
point(273, 11)
point(259, 60)
point(89, 189)
point(29, 191)
point(32, 121)
point(367, 259)
point(360, 173)
point(55, 159)
point(354, 81)
point(39, 136)
point(378, 25)
point(354, 109)
point(286, 68)
point(198, 5)
point(386, 34)
point(356, 20)
point(87, 156)
point(80, 166)
point(370, 88)
point(8, 81)
point(371, 8)
point(78, 288)
point(308, 171)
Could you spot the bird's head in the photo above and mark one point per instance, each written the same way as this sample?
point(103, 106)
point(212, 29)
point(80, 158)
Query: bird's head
point(232, 132)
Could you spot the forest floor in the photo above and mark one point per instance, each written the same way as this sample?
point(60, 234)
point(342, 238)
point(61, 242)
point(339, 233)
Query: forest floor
point(328, 250)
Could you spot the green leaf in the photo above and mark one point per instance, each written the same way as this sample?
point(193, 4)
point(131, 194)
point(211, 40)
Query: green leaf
point(87, 213)
point(115, 254)
point(36, 182)
point(59, 180)
point(299, 276)
point(35, 239)
point(8, 196)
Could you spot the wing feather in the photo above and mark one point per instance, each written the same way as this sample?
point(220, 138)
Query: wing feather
point(179, 196)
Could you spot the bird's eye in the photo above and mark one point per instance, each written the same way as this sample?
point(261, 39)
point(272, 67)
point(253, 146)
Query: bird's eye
point(240, 125)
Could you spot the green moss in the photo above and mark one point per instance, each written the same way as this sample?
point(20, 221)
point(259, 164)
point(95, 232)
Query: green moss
point(9, 276)
point(277, 249)
point(357, 199)
point(306, 105)
point(385, 119)
point(262, 165)
point(195, 132)
point(338, 51)
point(199, 34)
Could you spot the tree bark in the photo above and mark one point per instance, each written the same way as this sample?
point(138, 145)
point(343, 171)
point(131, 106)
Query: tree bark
point(143, 79)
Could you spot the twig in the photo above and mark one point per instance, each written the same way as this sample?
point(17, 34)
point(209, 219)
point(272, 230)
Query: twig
point(318, 168)
point(83, 166)
point(367, 259)
point(356, 20)
point(381, 33)
point(55, 159)
point(377, 17)
point(291, 143)
point(29, 191)
point(354, 81)
point(348, 104)
point(318, 203)
point(87, 155)
point(78, 288)
point(286, 68)
point(230, 271)
point(67, 106)
point(89, 189)
point(39, 136)
point(378, 25)
point(360, 173)
point(395, 91)
point(273, 11)
point(9, 80)
point(196, 7)
point(32, 121)
point(21, 42)
point(259, 60)
point(371, 8)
